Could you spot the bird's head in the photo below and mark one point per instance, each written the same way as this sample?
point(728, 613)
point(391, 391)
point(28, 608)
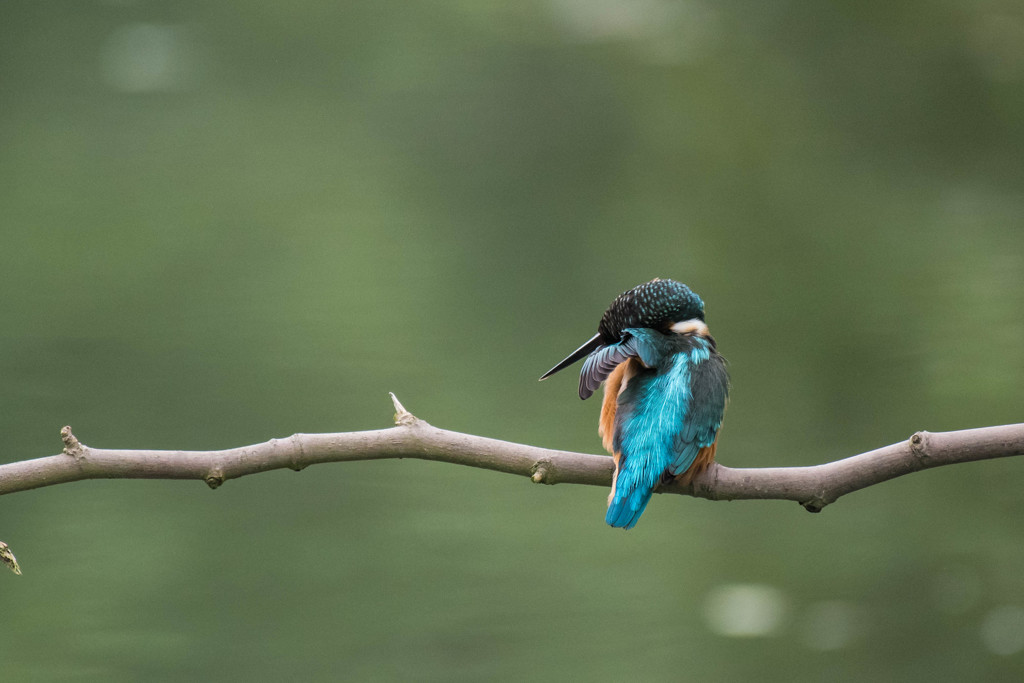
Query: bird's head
point(663, 305)
point(657, 305)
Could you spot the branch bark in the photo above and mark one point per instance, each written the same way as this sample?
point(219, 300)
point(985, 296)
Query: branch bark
point(813, 487)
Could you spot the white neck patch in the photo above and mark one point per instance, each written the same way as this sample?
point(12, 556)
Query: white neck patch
point(692, 326)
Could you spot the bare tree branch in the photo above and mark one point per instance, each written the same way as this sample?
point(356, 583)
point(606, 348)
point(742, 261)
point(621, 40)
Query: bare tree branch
point(813, 487)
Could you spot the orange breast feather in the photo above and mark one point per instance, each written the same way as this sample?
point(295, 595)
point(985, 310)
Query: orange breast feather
point(613, 386)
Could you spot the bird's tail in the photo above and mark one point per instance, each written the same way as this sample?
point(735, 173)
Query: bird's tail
point(624, 511)
point(631, 494)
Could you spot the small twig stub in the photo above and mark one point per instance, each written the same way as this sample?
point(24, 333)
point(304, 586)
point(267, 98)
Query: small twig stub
point(8, 558)
point(402, 416)
point(72, 446)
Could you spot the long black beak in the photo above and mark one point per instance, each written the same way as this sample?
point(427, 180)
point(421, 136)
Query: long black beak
point(585, 350)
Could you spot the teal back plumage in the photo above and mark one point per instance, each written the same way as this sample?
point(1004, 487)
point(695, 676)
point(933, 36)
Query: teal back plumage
point(667, 412)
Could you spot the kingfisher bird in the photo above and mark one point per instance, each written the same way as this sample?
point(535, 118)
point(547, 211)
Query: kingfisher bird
point(665, 390)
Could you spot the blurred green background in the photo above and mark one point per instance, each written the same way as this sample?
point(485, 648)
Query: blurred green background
point(224, 222)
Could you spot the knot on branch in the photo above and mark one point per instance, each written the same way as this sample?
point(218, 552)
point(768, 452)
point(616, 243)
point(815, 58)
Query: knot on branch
point(919, 446)
point(72, 446)
point(539, 473)
point(298, 453)
point(214, 479)
point(816, 504)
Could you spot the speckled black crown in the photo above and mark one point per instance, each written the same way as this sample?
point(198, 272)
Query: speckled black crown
point(655, 305)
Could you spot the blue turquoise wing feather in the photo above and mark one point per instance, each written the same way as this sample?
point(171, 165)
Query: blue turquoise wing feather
point(709, 393)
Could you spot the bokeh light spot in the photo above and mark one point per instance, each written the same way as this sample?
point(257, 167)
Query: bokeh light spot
point(1002, 631)
point(745, 610)
point(144, 58)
